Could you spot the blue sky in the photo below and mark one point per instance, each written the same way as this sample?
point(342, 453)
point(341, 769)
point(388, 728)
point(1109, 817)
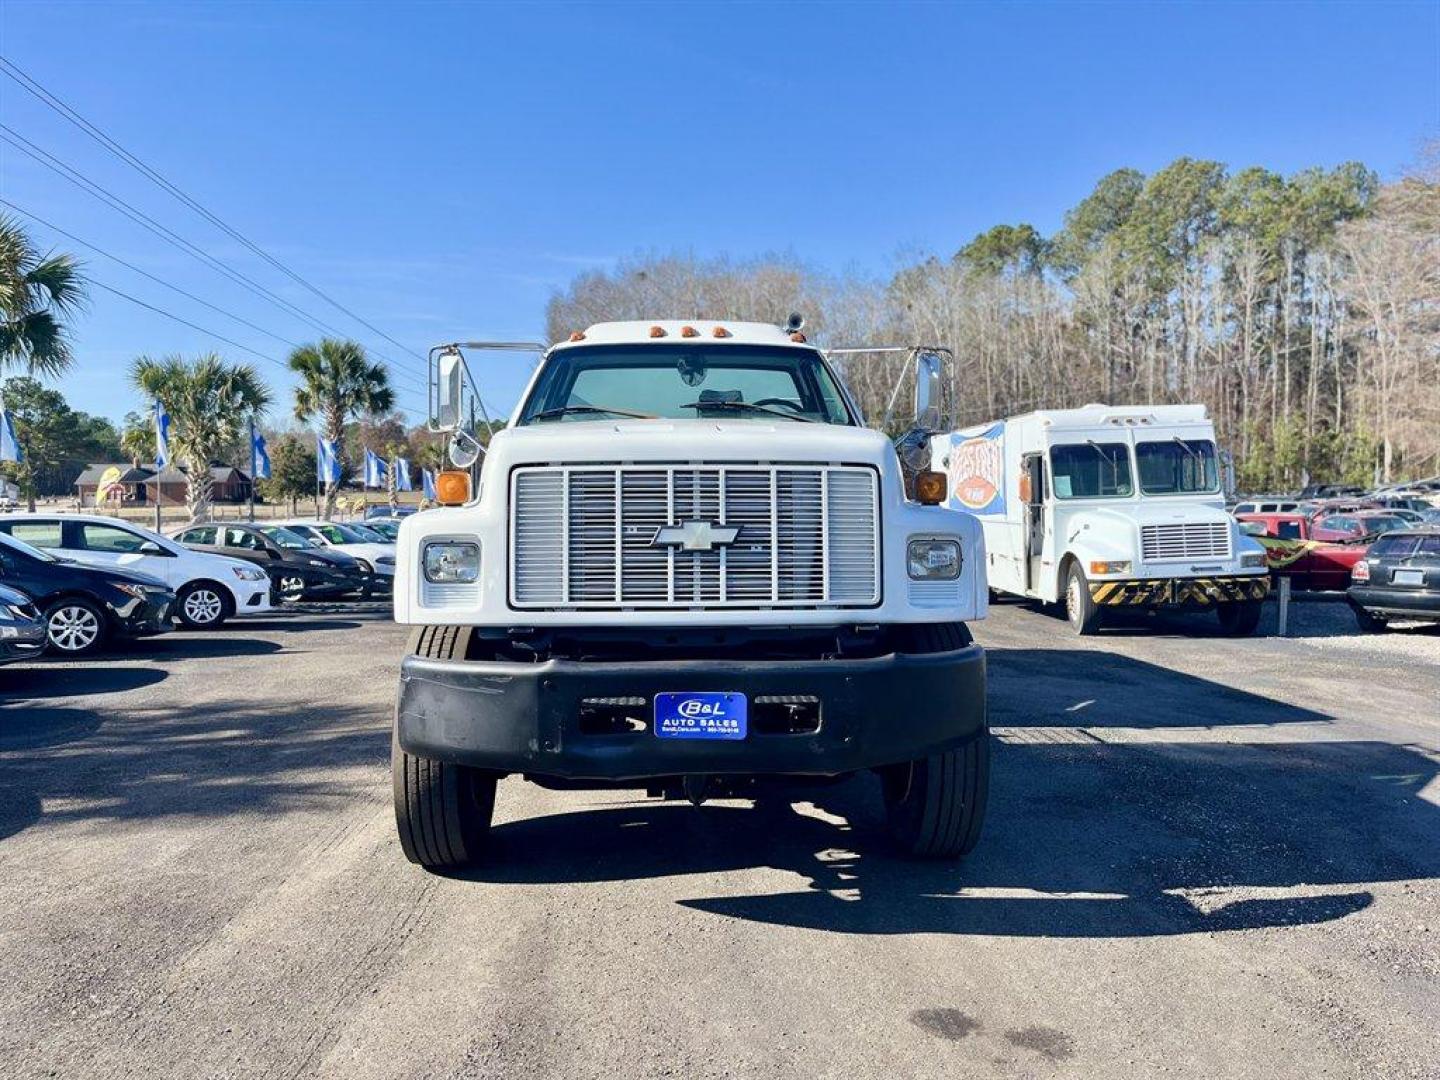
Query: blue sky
point(442, 168)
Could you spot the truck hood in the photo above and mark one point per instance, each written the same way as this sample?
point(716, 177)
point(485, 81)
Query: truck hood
point(687, 440)
point(1164, 514)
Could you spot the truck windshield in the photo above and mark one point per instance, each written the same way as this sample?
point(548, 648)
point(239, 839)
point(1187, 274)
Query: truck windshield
point(1091, 470)
point(1177, 467)
point(680, 381)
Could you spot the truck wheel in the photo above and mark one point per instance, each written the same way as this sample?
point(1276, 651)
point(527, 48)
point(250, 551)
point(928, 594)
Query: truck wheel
point(935, 806)
point(442, 810)
point(1240, 618)
point(1370, 624)
point(1080, 608)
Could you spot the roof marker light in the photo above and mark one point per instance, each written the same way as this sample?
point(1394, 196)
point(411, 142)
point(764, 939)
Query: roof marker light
point(657, 331)
point(720, 331)
point(577, 335)
point(689, 331)
point(797, 336)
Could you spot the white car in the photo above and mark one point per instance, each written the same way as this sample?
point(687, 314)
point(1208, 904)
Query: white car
point(209, 588)
point(375, 559)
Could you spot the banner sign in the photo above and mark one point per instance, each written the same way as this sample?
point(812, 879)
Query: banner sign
point(977, 469)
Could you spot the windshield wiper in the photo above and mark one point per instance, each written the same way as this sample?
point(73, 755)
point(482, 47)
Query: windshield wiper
point(562, 410)
point(1113, 462)
point(748, 407)
point(1188, 448)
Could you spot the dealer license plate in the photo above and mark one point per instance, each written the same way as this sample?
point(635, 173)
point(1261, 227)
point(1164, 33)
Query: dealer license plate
point(1408, 577)
point(700, 716)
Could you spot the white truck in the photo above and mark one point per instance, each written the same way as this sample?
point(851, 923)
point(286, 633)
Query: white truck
point(1106, 507)
point(685, 566)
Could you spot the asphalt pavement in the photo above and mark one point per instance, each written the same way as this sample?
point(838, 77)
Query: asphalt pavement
point(1204, 857)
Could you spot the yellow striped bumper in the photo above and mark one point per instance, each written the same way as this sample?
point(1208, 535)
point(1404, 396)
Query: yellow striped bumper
point(1177, 592)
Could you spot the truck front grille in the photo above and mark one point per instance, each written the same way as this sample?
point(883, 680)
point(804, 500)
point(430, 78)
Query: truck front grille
point(586, 536)
point(1187, 540)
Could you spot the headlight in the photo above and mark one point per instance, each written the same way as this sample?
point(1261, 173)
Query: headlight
point(365, 567)
point(1119, 566)
point(248, 573)
point(317, 562)
point(130, 589)
point(934, 560)
point(452, 563)
point(1252, 559)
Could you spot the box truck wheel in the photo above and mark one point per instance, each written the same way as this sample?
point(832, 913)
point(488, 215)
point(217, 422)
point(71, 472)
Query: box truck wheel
point(935, 806)
point(1240, 617)
point(442, 810)
point(1080, 608)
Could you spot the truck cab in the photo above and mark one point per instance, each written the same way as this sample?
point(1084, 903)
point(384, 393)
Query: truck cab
point(685, 566)
point(1105, 507)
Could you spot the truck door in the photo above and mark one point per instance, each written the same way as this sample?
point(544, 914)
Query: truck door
point(1032, 490)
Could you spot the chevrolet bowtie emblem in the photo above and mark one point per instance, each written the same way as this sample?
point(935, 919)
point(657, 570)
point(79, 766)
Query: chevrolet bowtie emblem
point(696, 535)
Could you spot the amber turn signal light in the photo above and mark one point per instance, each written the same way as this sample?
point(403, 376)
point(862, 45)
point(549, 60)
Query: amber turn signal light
point(930, 488)
point(452, 488)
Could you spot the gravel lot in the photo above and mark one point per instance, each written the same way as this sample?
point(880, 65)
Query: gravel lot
point(1204, 857)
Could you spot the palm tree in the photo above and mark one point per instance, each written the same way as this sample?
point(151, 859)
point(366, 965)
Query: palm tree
point(37, 294)
point(338, 384)
point(210, 404)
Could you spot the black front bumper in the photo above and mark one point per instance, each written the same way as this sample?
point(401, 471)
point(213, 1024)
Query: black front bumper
point(28, 640)
point(143, 618)
point(516, 717)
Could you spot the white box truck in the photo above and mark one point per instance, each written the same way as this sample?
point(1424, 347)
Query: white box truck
point(685, 566)
point(1106, 507)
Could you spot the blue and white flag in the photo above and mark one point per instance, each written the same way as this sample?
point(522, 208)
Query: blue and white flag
point(327, 461)
point(259, 455)
point(9, 444)
point(374, 469)
point(427, 484)
point(162, 436)
point(402, 475)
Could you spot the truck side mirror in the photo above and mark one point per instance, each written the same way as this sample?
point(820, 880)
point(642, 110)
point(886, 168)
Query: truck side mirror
point(929, 372)
point(449, 390)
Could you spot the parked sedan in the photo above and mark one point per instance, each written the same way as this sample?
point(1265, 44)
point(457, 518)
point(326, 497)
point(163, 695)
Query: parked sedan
point(1399, 579)
point(298, 568)
point(22, 630)
point(375, 558)
point(211, 588)
point(84, 606)
point(1353, 525)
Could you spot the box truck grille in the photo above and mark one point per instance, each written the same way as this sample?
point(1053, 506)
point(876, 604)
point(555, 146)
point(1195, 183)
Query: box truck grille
point(591, 536)
point(1176, 543)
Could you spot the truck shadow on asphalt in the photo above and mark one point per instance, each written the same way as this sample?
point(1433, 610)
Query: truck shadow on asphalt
point(1152, 835)
point(89, 762)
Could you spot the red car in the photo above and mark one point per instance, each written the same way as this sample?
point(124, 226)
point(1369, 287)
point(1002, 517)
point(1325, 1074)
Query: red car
point(1292, 550)
point(1353, 525)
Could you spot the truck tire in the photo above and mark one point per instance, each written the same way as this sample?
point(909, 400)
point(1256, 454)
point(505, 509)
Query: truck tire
point(935, 806)
point(1240, 618)
point(1081, 610)
point(442, 810)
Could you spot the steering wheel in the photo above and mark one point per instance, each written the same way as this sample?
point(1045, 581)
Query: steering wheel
point(793, 406)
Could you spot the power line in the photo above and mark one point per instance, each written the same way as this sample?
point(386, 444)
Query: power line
point(74, 176)
point(49, 99)
point(203, 330)
point(145, 273)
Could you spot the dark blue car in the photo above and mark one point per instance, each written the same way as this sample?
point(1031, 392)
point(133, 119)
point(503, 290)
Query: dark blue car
point(22, 631)
point(85, 606)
